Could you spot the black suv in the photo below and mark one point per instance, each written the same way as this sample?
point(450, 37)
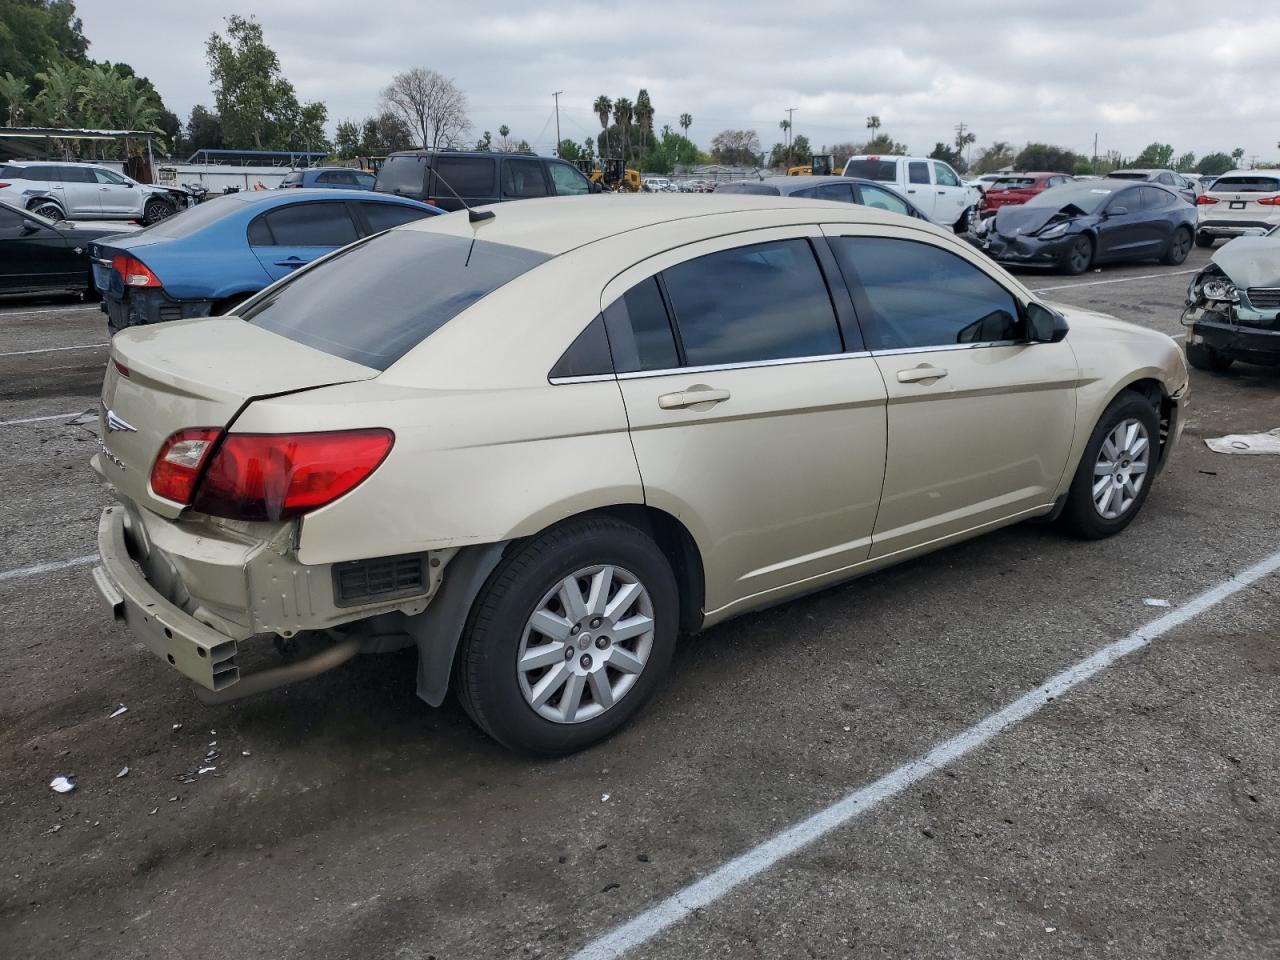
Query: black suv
point(478, 178)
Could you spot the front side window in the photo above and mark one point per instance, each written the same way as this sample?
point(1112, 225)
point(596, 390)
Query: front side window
point(522, 179)
point(767, 301)
point(883, 200)
point(918, 171)
point(568, 181)
point(374, 301)
point(843, 192)
point(325, 224)
point(109, 176)
point(945, 175)
point(911, 295)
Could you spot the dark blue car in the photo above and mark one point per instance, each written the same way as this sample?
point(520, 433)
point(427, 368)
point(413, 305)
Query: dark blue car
point(336, 178)
point(206, 260)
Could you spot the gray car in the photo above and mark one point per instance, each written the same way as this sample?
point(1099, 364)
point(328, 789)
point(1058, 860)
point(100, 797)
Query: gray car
point(85, 191)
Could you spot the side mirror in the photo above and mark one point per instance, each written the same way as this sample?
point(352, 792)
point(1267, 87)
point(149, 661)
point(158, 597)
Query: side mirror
point(29, 228)
point(1045, 325)
point(595, 187)
point(1117, 211)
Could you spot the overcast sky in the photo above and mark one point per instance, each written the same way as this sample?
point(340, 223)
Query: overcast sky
point(1192, 74)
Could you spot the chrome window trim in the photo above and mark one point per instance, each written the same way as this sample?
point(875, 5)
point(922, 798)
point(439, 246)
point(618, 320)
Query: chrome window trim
point(981, 344)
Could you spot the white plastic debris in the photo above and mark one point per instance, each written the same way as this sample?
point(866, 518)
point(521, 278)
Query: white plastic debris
point(848, 729)
point(604, 798)
point(119, 710)
point(154, 811)
point(1155, 602)
point(124, 772)
point(245, 753)
point(206, 769)
point(1268, 442)
point(177, 726)
point(213, 743)
point(55, 828)
point(174, 798)
point(62, 784)
point(1050, 929)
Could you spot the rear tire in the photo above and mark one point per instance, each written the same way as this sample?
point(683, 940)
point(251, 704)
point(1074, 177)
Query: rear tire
point(48, 209)
point(506, 700)
point(1204, 357)
point(1179, 247)
point(1078, 257)
point(1094, 509)
point(1204, 241)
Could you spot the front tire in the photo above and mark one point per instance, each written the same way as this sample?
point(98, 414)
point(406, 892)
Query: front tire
point(1204, 357)
point(1116, 470)
point(1079, 256)
point(967, 220)
point(573, 632)
point(155, 211)
point(1204, 241)
point(1179, 247)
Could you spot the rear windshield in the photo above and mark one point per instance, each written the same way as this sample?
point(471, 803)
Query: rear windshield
point(373, 301)
point(404, 174)
point(1247, 184)
point(1126, 175)
point(885, 171)
point(1013, 183)
point(747, 186)
point(187, 222)
point(1084, 195)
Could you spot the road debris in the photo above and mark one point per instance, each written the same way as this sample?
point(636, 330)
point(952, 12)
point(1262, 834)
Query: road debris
point(119, 710)
point(604, 798)
point(177, 727)
point(1155, 602)
point(124, 772)
point(204, 770)
point(1254, 443)
point(64, 784)
point(154, 811)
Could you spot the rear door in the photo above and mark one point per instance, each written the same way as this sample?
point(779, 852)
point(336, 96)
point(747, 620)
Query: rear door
point(980, 422)
point(473, 179)
point(749, 418)
point(291, 236)
point(920, 187)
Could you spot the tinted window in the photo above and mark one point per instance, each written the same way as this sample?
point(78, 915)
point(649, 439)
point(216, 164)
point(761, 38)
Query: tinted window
point(639, 330)
point(587, 356)
point(842, 192)
point(259, 233)
point(917, 295)
point(365, 180)
point(312, 225)
point(918, 172)
point(77, 175)
point(522, 179)
point(883, 200)
point(1013, 183)
point(193, 219)
point(402, 286)
point(1126, 175)
point(1153, 199)
point(810, 194)
point(1166, 179)
point(336, 176)
point(1246, 184)
point(767, 301)
point(469, 176)
point(12, 173)
point(873, 168)
point(568, 181)
point(109, 176)
point(43, 173)
point(945, 175)
point(10, 221)
point(746, 186)
point(384, 216)
point(403, 174)
point(1085, 195)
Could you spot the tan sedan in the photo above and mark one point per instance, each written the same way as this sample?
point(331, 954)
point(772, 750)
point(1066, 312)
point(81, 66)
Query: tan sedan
point(540, 445)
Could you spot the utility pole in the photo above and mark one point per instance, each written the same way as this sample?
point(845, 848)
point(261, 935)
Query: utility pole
point(1094, 165)
point(557, 96)
point(961, 142)
point(790, 127)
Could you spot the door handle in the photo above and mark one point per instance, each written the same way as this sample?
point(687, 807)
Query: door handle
point(698, 393)
point(921, 373)
point(910, 191)
point(291, 262)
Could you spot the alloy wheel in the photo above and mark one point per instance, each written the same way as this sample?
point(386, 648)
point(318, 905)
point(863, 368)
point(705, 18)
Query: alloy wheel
point(1121, 469)
point(585, 644)
point(48, 210)
point(1081, 253)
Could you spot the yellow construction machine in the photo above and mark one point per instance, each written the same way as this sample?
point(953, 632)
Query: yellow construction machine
point(819, 165)
point(612, 175)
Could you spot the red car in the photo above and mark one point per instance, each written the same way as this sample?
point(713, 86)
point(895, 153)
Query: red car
point(1019, 188)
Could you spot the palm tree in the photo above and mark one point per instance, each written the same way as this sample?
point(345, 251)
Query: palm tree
point(785, 127)
point(623, 111)
point(13, 91)
point(644, 118)
point(604, 109)
point(101, 92)
point(873, 124)
point(686, 121)
point(58, 100)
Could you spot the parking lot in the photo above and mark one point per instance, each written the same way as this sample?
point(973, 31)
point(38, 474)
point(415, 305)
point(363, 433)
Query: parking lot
point(1134, 814)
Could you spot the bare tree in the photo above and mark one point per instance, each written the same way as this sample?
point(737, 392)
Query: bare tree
point(431, 104)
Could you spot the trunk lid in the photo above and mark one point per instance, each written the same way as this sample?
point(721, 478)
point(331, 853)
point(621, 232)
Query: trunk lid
point(195, 373)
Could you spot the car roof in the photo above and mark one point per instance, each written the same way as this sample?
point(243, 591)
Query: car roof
point(1255, 172)
point(555, 225)
point(309, 196)
point(1147, 170)
point(1033, 173)
point(491, 154)
point(55, 163)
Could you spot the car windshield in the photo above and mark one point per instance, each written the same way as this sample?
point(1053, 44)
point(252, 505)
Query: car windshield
point(186, 222)
point(873, 168)
point(373, 301)
point(1248, 184)
point(1127, 175)
point(1088, 197)
point(1013, 183)
point(747, 187)
point(403, 174)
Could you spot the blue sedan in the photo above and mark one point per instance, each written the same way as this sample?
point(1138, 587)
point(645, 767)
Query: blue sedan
point(206, 260)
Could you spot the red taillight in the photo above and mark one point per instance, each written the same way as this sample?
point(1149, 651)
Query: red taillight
point(135, 272)
point(3, 185)
point(120, 368)
point(178, 464)
point(1204, 201)
point(256, 476)
point(1270, 201)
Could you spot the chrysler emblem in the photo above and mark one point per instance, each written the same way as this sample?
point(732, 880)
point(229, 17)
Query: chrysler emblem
point(115, 424)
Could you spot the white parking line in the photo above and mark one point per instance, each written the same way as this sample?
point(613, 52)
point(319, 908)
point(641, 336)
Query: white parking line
point(733, 874)
point(31, 313)
point(55, 416)
point(39, 568)
point(1095, 283)
point(78, 346)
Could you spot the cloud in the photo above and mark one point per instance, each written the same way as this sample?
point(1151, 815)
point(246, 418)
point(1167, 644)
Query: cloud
point(1172, 71)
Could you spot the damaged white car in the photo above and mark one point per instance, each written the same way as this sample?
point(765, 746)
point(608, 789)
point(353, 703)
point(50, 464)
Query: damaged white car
point(1233, 305)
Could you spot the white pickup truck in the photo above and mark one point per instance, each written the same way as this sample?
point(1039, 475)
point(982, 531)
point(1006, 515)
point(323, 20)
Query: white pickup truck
point(931, 185)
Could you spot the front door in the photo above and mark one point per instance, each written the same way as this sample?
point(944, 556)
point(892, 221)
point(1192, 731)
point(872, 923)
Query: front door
point(980, 422)
point(952, 196)
point(291, 236)
point(1129, 230)
point(33, 256)
point(750, 421)
point(80, 192)
point(118, 197)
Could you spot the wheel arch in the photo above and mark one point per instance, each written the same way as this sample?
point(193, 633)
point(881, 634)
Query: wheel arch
point(40, 198)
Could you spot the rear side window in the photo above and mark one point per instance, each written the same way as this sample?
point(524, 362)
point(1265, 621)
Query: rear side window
point(918, 172)
point(912, 294)
point(311, 225)
point(522, 179)
point(42, 173)
point(384, 216)
point(77, 175)
point(292, 179)
point(1239, 184)
point(744, 186)
point(403, 174)
point(337, 176)
point(568, 181)
point(372, 302)
point(12, 173)
point(365, 180)
point(469, 177)
point(640, 330)
point(883, 200)
point(767, 301)
point(873, 168)
point(842, 192)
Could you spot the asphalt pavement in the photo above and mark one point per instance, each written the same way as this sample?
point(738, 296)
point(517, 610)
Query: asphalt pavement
point(1134, 813)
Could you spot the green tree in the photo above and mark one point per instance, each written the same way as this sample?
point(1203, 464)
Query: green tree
point(1237, 155)
point(604, 110)
point(38, 34)
point(623, 112)
point(14, 94)
point(1155, 155)
point(884, 144)
point(1185, 163)
point(873, 124)
point(962, 141)
point(504, 140)
point(686, 121)
point(1214, 164)
point(346, 139)
point(384, 133)
point(644, 119)
point(58, 102)
point(799, 152)
point(569, 150)
point(485, 143)
point(993, 158)
point(204, 130)
point(1043, 156)
point(948, 154)
point(736, 147)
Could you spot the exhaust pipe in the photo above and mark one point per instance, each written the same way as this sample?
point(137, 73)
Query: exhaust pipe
point(264, 680)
